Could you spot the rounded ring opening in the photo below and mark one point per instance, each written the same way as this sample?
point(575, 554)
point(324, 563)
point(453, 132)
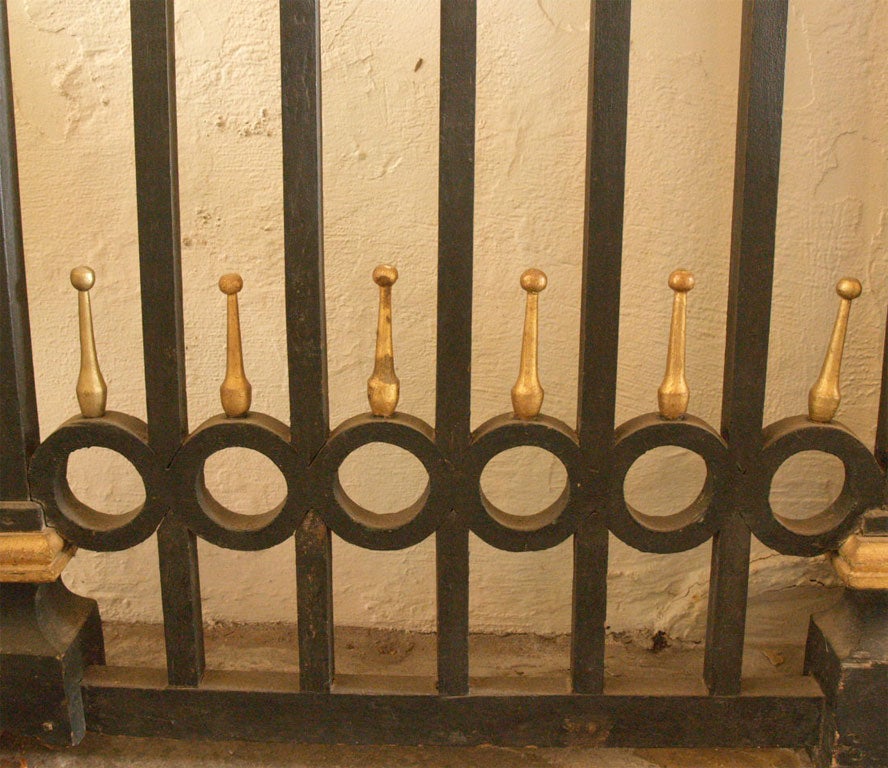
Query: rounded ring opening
point(809, 477)
point(544, 528)
point(646, 477)
point(693, 523)
point(360, 525)
point(825, 530)
point(119, 478)
point(521, 465)
point(244, 480)
point(215, 521)
point(79, 522)
point(382, 485)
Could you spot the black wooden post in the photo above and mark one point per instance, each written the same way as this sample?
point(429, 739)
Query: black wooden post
point(756, 176)
point(600, 323)
point(306, 330)
point(847, 649)
point(163, 335)
point(48, 634)
point(847, 653)
point(456, 216)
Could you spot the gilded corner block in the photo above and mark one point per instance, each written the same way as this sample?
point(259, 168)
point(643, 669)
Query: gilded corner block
point(33, 556)
point(862, 562)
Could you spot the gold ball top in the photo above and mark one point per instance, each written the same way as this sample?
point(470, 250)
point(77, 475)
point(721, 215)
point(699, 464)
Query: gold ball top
point(681, 281)
point(83, 278)
point(849, 288)
point(385, 275)
point(231, 283)
point(534, 280)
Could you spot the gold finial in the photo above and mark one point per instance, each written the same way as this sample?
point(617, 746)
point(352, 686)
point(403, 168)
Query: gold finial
point(92, 392)
point(236, 391)
point(825, 396)
point(527, 394)
point(383, 386)
point(673, 394)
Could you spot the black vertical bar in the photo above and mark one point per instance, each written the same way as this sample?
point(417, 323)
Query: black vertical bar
point(18, 414)
point(452, 567)
point(314, 608)
point(177, 551)
point(599, 324)
point(154, 126)
point(756, 176)
point(306, 332)
point(456, 209)
point(882, 425)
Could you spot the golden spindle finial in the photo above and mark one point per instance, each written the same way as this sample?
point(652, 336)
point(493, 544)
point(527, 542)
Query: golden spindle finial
point(383, 386)
point(92, 392)
point(236, 391)
point(527, 394)
point(825, 396)
point(673, 394)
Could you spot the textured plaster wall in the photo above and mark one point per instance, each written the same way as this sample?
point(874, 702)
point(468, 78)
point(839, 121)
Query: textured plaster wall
point(380, 70)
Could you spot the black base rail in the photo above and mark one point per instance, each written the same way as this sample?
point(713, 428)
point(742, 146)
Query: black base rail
point(53, 680)
point(407, 711)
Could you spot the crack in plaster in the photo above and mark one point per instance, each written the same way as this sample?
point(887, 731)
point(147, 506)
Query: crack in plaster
point(557, 24)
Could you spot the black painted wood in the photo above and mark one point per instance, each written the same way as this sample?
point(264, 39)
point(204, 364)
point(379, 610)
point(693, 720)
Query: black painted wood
point(79, 523)
point(314, 586)
point(303, 225)
point(49, 636)
point(177, 549)
point(452, 579)
point(269, 707)
point(847, 653)
point(360, 526)
point(314, 706)
point(306, 330)
point(18, 416)
point(882, 423)
point(550, 526)
point(820, 533)
point(599, 324)
point(453, 400)
point(210, 519)
point(20, 516)
point(152, 26)
point(756, 175)
point(689, 527)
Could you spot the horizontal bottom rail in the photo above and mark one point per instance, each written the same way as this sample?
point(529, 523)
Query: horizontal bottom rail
point(262, 706)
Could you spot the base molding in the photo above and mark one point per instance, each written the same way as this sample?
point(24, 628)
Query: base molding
point(33, 556)
point(847, 653)
point(49, 637)
point(862, 562)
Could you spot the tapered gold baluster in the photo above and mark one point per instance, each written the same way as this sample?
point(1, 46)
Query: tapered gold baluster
point(383, 386)
point(92, 392)
point(825, 395)
point(673, 394)
point(236, 391)
point(527, 394)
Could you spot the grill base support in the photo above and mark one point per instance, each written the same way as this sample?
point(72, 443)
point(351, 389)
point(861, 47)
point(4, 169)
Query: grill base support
point(847, 653)
point(406, 711)
point(49, 636)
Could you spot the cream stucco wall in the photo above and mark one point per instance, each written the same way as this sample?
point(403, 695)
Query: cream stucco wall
point(380, 65)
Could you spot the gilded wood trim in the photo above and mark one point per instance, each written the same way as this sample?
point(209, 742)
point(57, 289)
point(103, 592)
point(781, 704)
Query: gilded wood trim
point(33, 556)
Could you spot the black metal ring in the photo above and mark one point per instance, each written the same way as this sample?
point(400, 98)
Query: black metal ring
point(74, 520)
point(551, 526)
point(213, 521)
point(826, 530)
point(697, 522)
point(360, 526)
